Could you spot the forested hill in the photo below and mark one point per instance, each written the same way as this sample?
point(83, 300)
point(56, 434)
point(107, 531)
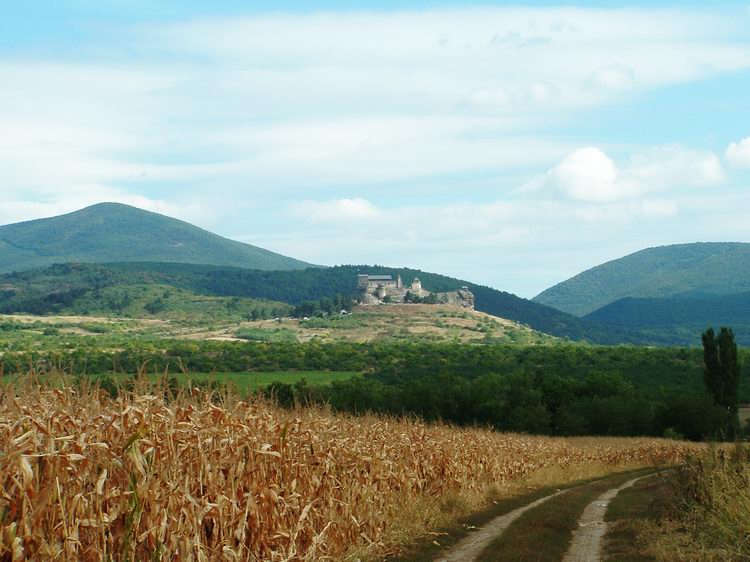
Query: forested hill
point(111, 232)
point(679, 320)
point(686, 270)
point(49, 289)
point(298, 286)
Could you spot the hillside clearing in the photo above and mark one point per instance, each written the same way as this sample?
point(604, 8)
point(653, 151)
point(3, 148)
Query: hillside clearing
point(419, 322)
point(411, 322)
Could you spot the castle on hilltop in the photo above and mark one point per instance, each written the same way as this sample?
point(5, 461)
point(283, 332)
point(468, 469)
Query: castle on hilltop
point(381, 289)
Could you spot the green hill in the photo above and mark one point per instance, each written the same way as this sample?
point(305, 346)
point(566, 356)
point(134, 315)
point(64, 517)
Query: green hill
point(678, 320)
point(297, 286)
point(89, 288)
point(94, 290)
point(687, 270)
point(111, 232)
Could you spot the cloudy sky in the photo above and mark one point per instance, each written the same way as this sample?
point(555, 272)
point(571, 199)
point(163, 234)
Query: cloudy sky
point(508, 145)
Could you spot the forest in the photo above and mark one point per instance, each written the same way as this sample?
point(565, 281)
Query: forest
point(560, 390)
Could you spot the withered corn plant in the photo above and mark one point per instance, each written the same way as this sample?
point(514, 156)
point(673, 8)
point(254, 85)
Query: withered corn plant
point(87, 477)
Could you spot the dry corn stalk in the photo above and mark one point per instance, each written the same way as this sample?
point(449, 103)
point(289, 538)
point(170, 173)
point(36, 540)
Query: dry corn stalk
point(85, 477)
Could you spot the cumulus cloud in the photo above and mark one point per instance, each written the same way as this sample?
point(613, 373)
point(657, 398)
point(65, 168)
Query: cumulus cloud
point(738, 153)
point(286, 124)
point(336, 210)
point(590, 175)
point(284, 102)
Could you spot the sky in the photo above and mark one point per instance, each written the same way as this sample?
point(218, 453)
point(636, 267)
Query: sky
point(506, 144)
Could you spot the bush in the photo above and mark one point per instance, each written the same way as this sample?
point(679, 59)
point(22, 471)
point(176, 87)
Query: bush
point(94, 328)
point(280, 335)
point(710, 507)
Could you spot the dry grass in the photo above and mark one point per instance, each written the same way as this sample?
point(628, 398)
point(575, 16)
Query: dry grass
point(85, 477)
point(437, 323)
point(710, 510)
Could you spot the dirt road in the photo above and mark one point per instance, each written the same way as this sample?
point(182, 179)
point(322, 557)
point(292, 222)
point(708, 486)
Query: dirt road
point(587, 539)
point(474, 544)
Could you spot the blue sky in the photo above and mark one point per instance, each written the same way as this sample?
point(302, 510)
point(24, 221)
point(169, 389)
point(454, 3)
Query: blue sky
point(513, 145)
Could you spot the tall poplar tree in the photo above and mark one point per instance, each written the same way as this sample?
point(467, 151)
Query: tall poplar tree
point(722, 375)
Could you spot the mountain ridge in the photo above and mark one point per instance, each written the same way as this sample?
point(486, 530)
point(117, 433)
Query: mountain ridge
point(692, 269)
point(678, 320)
point(115, 232)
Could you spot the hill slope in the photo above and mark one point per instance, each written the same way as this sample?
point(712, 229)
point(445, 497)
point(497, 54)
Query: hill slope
point(699, 269)
point(679, 320)
point(65, 287)
point(111, 232)
point(297, 286)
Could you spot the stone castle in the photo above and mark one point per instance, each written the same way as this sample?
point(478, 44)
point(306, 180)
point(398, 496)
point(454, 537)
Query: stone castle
point(380, 289)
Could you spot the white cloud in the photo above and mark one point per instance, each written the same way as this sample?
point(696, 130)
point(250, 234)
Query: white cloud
point(590, 175)
point(337, 210)
point(665, 167)
point(628, 212)
point(15, 210)
point(492, 242)
point(285, 103)
point(489, 98)
point(612, 77)
point(738, 154)
point(397, 133)
point(427, 60)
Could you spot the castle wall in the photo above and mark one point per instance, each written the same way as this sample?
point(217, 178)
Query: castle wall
point(375, 291)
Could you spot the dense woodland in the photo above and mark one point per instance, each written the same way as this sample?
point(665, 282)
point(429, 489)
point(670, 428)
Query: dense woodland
point(678, 319)
point(563, 390)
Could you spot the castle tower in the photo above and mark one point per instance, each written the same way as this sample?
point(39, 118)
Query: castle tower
point(381, 291)
point(399, 283)
point(416, 286)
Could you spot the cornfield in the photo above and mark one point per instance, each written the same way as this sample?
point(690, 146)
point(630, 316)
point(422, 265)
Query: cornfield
point(87, 477)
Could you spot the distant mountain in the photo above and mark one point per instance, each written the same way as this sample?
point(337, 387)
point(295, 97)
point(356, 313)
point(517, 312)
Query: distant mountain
point(112, 232)
point(78, 286)
point(685, 270)
point(678, 320)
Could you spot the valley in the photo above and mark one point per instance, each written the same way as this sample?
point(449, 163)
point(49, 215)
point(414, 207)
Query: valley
point(501, 400)
point(414, 281)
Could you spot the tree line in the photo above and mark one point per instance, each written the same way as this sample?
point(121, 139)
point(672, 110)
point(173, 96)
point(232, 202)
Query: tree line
point(561, 390)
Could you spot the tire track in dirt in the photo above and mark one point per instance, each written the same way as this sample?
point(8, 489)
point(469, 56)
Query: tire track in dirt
point(474, 544)
point(588, 539)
